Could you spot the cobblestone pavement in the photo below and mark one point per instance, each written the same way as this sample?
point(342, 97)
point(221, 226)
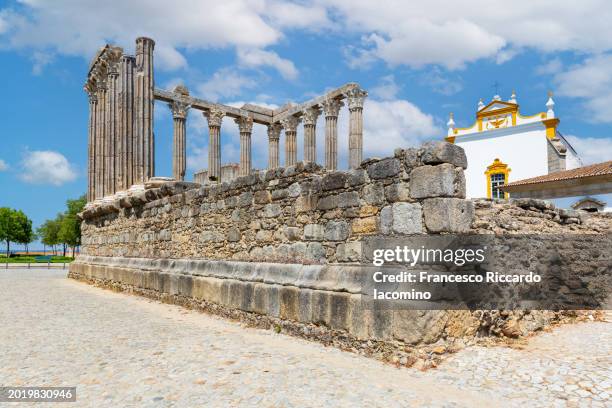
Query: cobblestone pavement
point(125, 351)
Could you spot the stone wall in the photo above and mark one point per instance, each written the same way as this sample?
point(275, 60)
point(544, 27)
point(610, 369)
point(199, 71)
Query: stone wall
point(300, 214)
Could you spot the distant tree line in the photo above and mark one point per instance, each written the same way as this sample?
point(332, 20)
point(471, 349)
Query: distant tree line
point(64, 230)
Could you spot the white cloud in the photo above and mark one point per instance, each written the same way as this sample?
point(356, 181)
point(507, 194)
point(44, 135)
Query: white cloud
point(592, 149)
point(590, 81)
point(387, 88)
point(46, 167)
point(553, 66)
point(292, 15)
point(257, 58)
point(226, 82)
point(395, 123)
point(3, 165)
point(80, 28)
point(439, 32)
point(454, 33)
point(440, 83)
point(40, 59)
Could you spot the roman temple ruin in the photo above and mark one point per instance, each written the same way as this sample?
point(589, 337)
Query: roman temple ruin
point(291, 247)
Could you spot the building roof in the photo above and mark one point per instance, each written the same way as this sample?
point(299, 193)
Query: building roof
point(599, 169)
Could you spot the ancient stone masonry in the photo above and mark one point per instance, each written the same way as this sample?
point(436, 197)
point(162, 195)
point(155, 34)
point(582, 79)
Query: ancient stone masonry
point(289, 243)
point(298, 214)
point(121, 152)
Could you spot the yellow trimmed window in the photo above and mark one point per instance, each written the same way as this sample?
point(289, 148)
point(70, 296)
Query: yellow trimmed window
point(497, 175)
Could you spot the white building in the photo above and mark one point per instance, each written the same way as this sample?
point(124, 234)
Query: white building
point(502, 145)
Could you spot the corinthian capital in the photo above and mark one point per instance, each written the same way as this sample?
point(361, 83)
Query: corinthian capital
point(245, 124)
point(331, 107)
point(274, 131)
point(311, 115)
point(290, 123)
point(214, 116)
point(179, 109)
point(355, 98)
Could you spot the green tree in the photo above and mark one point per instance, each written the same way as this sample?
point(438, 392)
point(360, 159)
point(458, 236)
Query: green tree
point(24, 233)
point(70, 225)
point(11, 229)
point(48, 233)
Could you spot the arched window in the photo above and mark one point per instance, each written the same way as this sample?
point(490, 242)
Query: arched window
point(497, 175)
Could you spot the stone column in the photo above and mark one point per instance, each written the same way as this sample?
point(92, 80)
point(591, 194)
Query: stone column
point(91, 139)
point(126, 115)
point(100, 135)
point(355, 98)
point(245, 124)
point(273, 150)
point(145, 143)
point(310, 133)
point(331, 109)
point(215, 117)
point(179, 140)
point(290, 125)
point(111, 131)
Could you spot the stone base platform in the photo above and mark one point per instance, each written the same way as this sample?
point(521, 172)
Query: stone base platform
point(316, 302)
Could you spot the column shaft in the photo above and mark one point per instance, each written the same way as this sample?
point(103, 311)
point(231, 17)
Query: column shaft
point(331, 109)
point(91, 147)
point(273, 145)
point(310, 133)
point(355, 98)
point(245, 125)
point(290, 125)
point(179, 141)
point(215, 118)
point(144, 109)
point(356, 138)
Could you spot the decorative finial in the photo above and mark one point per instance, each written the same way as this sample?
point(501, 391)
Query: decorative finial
point(512, 97)
point(550, 104)
point(450, 124)
point(480, 104)
point(497, 98)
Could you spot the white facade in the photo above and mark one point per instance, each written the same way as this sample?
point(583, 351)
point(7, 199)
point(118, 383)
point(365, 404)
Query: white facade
point(504, 146)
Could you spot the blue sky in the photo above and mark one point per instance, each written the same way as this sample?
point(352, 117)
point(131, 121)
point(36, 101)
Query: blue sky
point(418, 61)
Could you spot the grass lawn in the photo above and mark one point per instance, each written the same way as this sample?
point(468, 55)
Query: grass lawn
point(32, 259)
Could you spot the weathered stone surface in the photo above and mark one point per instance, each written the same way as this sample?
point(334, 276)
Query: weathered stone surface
point(334, 181)
point(448, 214)
point(397, 192)
point(234, 235)
point(264, 235)
point(444, 180)
point(337, 230)
point(348, 199)
point(384, 168)
point(294, 190)
point(272, 210)
point(245, 199)
point(314, 232)
point(349, 252)
point(443, 152)
point(315, 252)
point(262, 197)
point(367, 225)
point(328, 202)
point(374, 193)
point(402, 218)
